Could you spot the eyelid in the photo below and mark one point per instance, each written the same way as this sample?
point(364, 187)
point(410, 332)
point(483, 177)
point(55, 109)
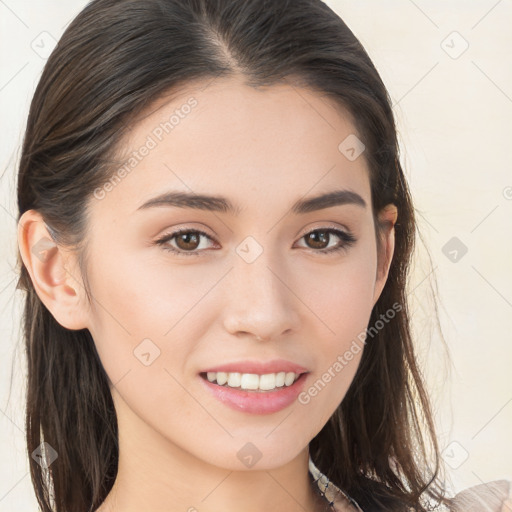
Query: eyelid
point(325, 226)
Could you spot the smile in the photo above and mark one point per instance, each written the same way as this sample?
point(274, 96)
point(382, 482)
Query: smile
point(252, 381)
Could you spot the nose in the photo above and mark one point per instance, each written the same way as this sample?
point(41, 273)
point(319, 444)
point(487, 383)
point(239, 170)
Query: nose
point(260, 301)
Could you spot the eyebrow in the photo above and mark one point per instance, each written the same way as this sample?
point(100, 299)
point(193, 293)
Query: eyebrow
point(221, 204)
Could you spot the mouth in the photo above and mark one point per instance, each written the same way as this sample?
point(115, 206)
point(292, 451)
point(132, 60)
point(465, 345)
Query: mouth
point(254, 393)
point(257, 383)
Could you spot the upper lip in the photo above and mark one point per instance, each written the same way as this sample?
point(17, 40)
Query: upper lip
point(258, 367)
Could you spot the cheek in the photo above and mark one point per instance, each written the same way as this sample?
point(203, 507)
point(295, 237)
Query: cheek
point(341, 293)
point(342, 299)
point(140, 307)
point(143, 329)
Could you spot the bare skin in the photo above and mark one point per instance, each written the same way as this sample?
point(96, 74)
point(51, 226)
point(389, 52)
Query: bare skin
point(263, 150)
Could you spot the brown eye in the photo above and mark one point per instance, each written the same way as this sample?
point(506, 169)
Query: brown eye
point(318, 240)
point(184, 242)
point(187, 241)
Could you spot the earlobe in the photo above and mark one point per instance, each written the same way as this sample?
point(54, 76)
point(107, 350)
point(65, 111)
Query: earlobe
point(387, 218)
point(47, 264)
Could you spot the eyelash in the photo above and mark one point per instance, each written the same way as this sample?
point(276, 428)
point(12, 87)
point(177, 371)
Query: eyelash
point(347, 238)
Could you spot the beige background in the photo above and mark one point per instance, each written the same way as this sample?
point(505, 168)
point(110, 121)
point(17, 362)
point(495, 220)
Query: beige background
point(454, 111)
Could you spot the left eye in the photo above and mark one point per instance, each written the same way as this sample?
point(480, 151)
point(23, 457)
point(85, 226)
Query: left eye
point(323, 235)
point(188, 241)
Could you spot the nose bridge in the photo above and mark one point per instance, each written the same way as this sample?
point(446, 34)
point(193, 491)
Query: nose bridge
point(258, 300)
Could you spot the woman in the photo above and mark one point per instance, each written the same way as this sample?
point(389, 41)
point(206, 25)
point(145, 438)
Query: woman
point(214, 233)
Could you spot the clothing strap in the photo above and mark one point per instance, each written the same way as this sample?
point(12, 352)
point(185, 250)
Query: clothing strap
point(328, 489)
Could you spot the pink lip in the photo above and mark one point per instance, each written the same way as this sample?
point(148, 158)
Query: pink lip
point(256, 402)
point(258, 367)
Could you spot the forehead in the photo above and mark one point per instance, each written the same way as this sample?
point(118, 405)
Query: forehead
point(275, 143)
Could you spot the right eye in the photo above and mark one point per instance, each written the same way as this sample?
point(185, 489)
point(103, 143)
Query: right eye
point(186, 240)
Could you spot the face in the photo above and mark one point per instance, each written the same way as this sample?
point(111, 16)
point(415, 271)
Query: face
point(266, 286)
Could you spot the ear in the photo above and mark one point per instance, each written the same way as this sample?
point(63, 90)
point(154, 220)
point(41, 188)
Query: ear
point(52, 271)
point(387, 218)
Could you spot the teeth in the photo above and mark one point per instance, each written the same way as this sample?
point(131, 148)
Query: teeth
point(249, 381)
point(252, 381)
point(222, 377)
point(289, 379)
point(234, 380)
point(268, 381)
point(280, 378)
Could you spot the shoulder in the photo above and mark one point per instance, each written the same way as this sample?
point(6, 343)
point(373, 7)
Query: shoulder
point(495, 496)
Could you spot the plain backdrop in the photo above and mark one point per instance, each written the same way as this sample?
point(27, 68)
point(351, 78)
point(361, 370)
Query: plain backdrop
point(447, 66)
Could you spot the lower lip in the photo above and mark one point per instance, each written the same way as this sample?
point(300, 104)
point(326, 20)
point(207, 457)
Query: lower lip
point(256, 402)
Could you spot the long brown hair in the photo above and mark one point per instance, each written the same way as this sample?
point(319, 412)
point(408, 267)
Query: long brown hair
point(112, 62)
